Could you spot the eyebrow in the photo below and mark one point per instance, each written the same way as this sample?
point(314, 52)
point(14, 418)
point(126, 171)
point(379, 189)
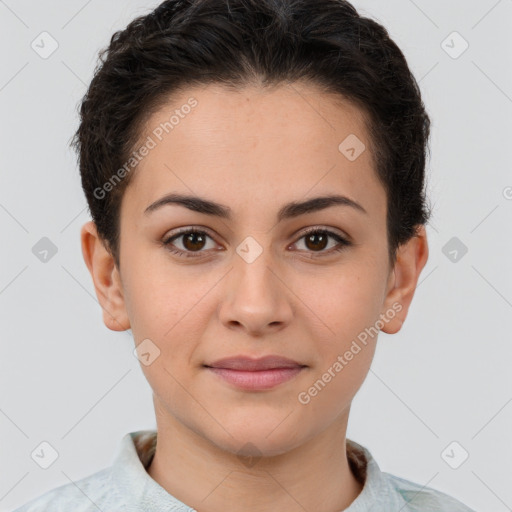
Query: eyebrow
point(288, 211)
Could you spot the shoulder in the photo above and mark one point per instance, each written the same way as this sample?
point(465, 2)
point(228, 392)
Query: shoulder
point(85, 495)
point(424, 499)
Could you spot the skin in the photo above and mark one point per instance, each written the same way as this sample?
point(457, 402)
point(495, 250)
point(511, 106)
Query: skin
point(254, 150)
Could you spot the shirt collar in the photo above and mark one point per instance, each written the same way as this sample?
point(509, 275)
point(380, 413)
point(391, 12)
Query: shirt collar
point(137, 489)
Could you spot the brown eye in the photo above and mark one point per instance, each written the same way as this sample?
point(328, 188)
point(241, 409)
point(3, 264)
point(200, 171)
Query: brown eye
point(316, 240)
point(194, 241)
point(191, 241)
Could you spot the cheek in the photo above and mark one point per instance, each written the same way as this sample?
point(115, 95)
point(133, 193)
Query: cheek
point(158, 296)
point(351, 310)
point(347, 302)
point(350, 307)
point(170, 308)
point(330, 392)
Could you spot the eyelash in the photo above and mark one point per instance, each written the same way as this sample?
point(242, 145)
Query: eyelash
point(342, 242)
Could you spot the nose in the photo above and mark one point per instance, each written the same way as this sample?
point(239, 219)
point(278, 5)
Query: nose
point(255, 298)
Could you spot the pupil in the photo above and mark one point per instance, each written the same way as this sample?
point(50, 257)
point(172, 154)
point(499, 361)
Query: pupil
point(313, 236)
point(192, 238)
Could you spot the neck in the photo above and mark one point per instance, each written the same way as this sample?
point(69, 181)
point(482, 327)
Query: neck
point(314, 476)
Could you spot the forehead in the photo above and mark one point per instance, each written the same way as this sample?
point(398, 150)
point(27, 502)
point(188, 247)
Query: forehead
point(277, 144)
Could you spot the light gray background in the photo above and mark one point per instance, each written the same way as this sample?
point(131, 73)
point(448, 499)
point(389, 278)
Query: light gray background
point(68, 380)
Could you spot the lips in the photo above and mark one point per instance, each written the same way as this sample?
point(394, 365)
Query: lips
point(250, 374)
point(244, 363)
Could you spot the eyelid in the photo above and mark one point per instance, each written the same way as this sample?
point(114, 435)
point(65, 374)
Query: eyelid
point(330, 230)
point(300, 233)
point(188, 229)
point(342, 239)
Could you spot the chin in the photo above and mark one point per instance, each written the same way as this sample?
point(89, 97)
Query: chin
point(258, 440)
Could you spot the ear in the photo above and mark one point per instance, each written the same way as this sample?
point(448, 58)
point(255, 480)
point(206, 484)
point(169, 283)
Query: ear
point(106, 278)
point(411, 259)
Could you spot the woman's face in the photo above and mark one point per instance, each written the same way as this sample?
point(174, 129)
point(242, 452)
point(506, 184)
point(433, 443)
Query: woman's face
point(253, 283)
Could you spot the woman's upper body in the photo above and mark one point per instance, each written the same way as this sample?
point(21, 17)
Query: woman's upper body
point(294, 150)
point(126, 486)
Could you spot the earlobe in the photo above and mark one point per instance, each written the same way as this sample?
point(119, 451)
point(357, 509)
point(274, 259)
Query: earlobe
point(106, 278)
point(411, 259)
